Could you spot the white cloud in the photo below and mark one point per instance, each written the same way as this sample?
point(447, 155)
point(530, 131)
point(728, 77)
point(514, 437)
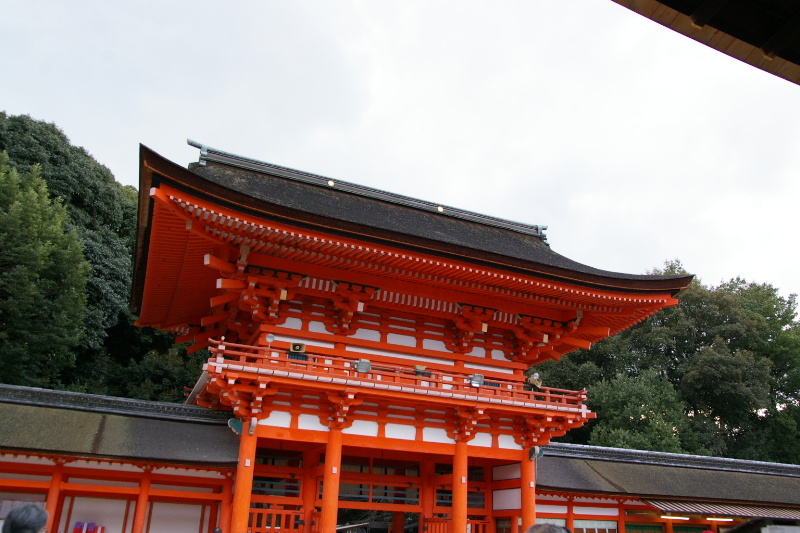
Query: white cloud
point(633, 143)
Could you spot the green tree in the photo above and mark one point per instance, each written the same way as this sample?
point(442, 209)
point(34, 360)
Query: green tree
point(642, 412)
point(42, 280)
point(730, 352)
point(111, 351)
point(724, 386)
point(101, 210)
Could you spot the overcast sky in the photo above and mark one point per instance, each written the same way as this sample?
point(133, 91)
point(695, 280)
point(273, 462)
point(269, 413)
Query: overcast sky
point(634, 144)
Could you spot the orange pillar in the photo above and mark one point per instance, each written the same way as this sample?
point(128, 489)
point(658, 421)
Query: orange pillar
point(243, 486)
point(571, 514)
point(527, 479)
point(330, 481)
point(310, 490)
point(53, 494)
point(141, 502)
point(460, 472)
point(225, 504)
point(427, 493)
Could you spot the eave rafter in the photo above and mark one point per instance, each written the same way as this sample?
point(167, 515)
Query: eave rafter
point(260, 270)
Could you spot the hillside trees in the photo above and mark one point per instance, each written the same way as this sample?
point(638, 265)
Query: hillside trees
point(42, 280)
point(110, 353)
point(730, 355)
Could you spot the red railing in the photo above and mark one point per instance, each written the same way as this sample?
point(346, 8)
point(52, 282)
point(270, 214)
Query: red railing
point(468, 384)
point(445, 525)
point(274, 521)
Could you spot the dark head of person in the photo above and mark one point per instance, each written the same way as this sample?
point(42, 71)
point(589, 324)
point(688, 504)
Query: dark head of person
point(547, 528)
point(25, 519)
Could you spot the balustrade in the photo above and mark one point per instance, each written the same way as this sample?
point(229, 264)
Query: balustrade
point(352, 371)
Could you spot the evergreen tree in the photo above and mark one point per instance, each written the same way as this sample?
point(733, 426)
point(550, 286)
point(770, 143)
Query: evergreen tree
point(42, 281)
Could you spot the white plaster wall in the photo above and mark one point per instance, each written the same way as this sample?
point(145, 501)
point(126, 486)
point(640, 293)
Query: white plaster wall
point(109, 513)
point(505, 472)
point(436, 435)
point(293, 323)
point(488, 368)
point(400, 431)
point(602, 511)
point(506, 499)
point(367, 428)
point(280, 419)
point(433, 344)
point(551, 509)
point(482, 439)
point(507, 443)
point(175, 518)
point(306, 421)
point(367, 335)
point(402, 340)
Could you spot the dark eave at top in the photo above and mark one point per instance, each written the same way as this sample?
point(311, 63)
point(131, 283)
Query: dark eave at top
point(761, 33)
point(308, 201)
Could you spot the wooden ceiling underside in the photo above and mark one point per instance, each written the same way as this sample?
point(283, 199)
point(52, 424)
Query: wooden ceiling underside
point(761, 33)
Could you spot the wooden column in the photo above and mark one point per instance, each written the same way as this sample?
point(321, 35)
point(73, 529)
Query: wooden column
point(527, 479)
point(460, 473)
point(54, 494)
point(141, 502)
point(226, 504)
point(330, 480)
point(427, 492)
point(398, 521)
point(571, 514)
point(243, 486)
point(668, 526)
point(310, 489)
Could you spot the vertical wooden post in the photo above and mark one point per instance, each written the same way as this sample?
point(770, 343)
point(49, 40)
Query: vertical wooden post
point(310, 489)
point(668, 526)
point(330, 480)
point(427, 493)
point(571, 514)
point(243, 486)
point(226, 504)
point(54, 494)
point(141, 501)
point(460, 473)
point(527, 480)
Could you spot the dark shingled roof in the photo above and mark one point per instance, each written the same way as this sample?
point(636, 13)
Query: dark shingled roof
point(350, 203)
point(308, 200)
point(665, 475)
point(45, 421)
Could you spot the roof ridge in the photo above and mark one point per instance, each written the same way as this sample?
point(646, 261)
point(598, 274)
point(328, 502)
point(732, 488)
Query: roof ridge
point(226, 158)
point(110, 405)
point(582, 451)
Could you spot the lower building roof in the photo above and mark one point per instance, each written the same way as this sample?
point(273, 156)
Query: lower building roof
point(658, 476)
point(57, 422)
point(67, 423)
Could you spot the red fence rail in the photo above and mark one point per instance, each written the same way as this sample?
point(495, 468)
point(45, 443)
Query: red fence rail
point(468, 384)
point(445, 525)
point(274, 521)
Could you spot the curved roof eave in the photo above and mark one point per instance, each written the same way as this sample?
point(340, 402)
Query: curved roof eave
point(310, 201)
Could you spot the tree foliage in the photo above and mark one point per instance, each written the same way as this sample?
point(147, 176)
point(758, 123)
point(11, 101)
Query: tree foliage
point(105, 353)
point(102, 211)
point(726, 359)
point(42, 281)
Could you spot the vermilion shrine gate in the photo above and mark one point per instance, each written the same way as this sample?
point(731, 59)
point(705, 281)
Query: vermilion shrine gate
point(372, 348)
